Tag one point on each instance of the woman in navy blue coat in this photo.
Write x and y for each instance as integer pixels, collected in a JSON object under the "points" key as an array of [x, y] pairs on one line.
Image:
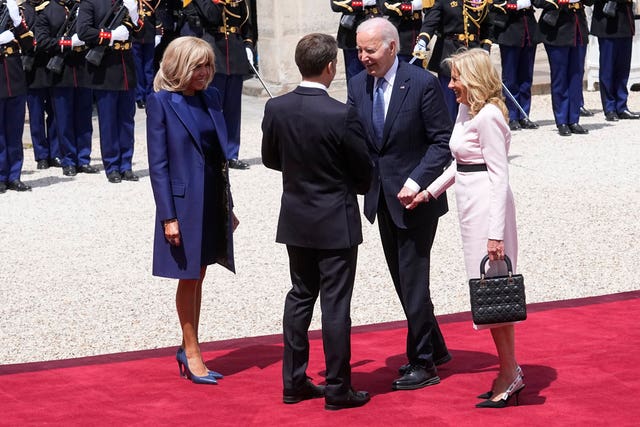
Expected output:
{"points": [[186, 141]]}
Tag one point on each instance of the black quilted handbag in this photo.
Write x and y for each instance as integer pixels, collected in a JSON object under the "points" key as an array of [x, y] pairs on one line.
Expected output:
{"points": [[497, 299]]}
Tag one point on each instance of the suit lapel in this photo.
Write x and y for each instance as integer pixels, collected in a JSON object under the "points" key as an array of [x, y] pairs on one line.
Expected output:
{"points": [[179, 105], [399, 93]]}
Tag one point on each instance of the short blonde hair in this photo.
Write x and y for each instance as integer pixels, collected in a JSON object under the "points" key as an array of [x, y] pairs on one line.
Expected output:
{"points": [[480, 77], [180, 59]]}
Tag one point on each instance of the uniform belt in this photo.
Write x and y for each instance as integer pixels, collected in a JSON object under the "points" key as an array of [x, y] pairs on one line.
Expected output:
{"points": [[371, 11], [462, 37], [8, 51], [227, 30], [121, 46], [79, 48], [471, 168], [574, 6]]}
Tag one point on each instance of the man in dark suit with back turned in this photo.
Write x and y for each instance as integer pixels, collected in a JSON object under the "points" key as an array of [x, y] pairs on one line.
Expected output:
{"points": [[409, 129], [319, 145]]}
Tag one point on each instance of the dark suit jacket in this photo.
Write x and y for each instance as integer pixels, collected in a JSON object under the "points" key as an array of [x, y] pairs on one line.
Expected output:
{"points": [[176, 169], [415, 141], [319, 145]]}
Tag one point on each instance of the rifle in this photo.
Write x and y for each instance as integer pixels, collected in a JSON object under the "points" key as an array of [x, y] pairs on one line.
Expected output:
{"points": [[117, 13], [56, 63]]}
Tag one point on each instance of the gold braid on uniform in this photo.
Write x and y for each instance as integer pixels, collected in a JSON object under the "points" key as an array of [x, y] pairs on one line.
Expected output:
{"points": [[480, 10]]}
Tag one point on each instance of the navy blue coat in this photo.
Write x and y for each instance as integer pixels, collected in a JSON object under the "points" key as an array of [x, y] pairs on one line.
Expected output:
{"points": [[176, 169], [415, 141]]}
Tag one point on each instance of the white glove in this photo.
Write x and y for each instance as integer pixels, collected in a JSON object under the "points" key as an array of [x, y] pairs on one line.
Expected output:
{"points": [[132, 7], [574, 1], [369, 3], [6, 37], [420, 47], [523, 4], [249, 55], [75, 41], [14, 12], [120, 33], [157, 40], [417, 4]]}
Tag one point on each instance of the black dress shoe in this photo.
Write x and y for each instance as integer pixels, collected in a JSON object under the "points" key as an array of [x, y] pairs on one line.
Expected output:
{"points": [[88, 169], [42, 164], [129, 176], [17, 185], [585, 113], [141, 105], [69, 171], [114, 177], [628, 115], [238, 164], [3, 187], [308, 391], [514, 125], [528, 124], [437, 360], [611, 116], [352, 399], [416, 377], [55, 162], [564, 130], [576, 128]]}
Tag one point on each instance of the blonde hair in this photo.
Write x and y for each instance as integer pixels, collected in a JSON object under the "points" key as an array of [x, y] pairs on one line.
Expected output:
{"points": [[480, 77], [180, 59]]}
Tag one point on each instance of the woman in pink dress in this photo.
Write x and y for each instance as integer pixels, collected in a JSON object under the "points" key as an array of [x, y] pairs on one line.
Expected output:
{"points": [[486, 211]]}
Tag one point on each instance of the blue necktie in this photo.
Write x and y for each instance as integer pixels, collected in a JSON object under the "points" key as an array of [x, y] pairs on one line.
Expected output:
{"points": [[378, 109]]}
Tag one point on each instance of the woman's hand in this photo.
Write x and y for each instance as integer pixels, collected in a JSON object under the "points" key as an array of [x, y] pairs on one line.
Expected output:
{"points": [[421, 197], [172, 231], [495, 249], [234, 221]]}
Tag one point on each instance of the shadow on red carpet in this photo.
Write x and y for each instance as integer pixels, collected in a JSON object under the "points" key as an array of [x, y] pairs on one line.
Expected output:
{"points": [[579, 357]]}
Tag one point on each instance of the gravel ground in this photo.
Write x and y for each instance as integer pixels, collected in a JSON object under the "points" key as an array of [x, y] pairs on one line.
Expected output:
{"points": [[75, 274]]}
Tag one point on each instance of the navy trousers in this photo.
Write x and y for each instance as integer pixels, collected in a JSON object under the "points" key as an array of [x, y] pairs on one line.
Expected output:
{"points": [[517, 76], [566, 64], [12, 111], [116, 110], [230, 88], [352, 64], [615, 64], [74, 107], [44, 137], [143, 55]]}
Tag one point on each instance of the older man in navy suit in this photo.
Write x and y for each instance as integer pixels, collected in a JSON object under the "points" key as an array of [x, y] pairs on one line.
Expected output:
{"points": [[406, 117], [319, 145]]}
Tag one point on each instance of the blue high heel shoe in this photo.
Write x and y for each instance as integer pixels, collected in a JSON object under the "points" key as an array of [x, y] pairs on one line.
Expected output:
{"points": [[214, 374], [183, 366]]}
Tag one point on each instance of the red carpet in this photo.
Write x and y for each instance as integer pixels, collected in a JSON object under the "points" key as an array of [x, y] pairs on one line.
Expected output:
{"points": [[580, 360]]}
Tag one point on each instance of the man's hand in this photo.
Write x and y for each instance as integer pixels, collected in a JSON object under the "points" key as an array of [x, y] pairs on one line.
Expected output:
{"points": [[406, 196], [132, 7], [6, 37], [75, 41], [523, 4], [421, 197], [120, 33], [249, 55], [14, 12], [420, 49], [157, 40]]}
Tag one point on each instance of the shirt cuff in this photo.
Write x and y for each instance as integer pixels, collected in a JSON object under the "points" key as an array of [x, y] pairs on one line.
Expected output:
{"points": [[412, 185]]}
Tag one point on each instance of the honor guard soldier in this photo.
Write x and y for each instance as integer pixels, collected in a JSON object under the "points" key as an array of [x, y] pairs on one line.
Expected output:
{"points": [[44, 138], [457, 24], [226, 25], [107, 30], [353, 13], [144, 48], [72, 99], [515, 29], [564, 32], [14, 37], [406, 15], [612, 22]]}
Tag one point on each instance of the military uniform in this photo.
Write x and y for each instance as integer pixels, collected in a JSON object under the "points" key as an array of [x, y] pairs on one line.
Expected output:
{"points": [[44, 138], [564, 32], [226, 25], [113, 82], [515, 29], [406, 15], [68, 78], [458, 24], [13, 91], [615, 30], [353, 13], [144, 48]]}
